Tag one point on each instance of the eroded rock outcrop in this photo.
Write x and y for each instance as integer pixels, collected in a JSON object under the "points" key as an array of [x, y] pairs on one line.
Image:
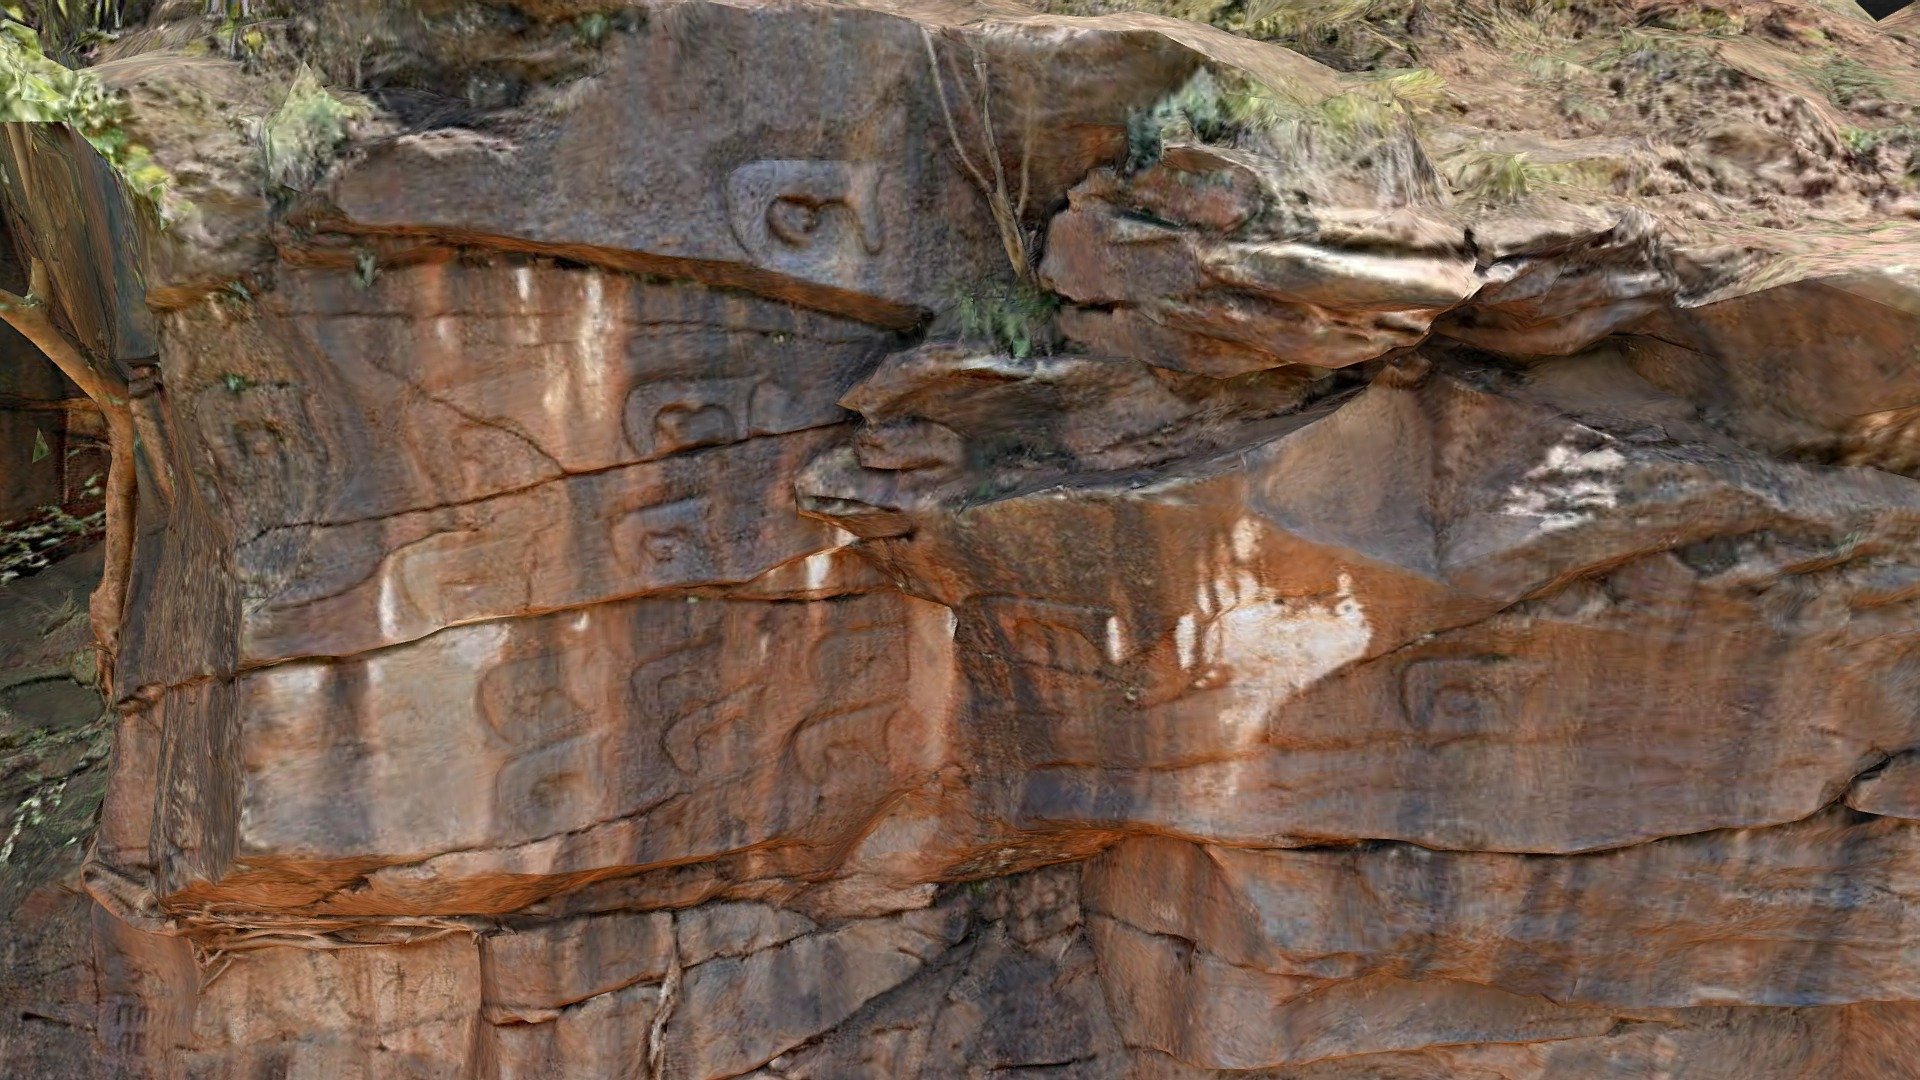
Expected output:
{"points": [[629, 580]]}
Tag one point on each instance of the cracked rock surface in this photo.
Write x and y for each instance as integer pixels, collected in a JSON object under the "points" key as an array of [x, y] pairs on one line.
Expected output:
{"points": [[1414, 575]]}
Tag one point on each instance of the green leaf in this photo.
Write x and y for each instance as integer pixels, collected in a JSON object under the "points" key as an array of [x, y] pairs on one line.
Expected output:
{"points": [[300, 139], [35, 89], [40, 449]]}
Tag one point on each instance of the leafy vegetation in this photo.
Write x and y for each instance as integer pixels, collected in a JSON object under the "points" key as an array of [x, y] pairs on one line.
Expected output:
{"points": [[62, 29], [34, 542], [591, 29], [1216, 109], [302, 137], [1199, 107], [1860, 141], [1866, 143], [34, 89]]}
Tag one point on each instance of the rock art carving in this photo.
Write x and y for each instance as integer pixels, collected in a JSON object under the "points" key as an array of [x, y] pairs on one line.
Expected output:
{"points": [[671, 417], [1466, 697], [1067, 638], [800, 213]]}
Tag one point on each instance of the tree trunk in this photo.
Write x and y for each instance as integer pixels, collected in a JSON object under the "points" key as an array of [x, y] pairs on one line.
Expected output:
{"points": [[31, 317]]}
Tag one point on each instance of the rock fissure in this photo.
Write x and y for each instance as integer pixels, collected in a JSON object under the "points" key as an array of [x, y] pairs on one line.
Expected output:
{"points": [[710, 273], [559, 476]]}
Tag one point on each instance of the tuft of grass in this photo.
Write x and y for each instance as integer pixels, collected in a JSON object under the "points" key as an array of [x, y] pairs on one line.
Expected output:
{"points": [[1302, 18], [1016, 317], [1216, 110], [1412, 88], [52, 616], [1846, 81], [1345, 125], [1200, 108], [592, 28], [1555, 70], [1366, 132], [1522, 29], [1355, 116], [1655, 53], [303, 136], [1499, 178], [1861, 142], [1352, 35], [1709, 21]]}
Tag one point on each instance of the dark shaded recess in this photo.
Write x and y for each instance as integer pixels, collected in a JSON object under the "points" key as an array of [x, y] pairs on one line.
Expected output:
{"points": [[1880, 9], [39, 445], [422, 110]]}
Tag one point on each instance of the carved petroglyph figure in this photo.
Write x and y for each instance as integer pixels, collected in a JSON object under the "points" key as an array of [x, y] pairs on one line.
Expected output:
{"points": [[790, 215], [1463, 697]]}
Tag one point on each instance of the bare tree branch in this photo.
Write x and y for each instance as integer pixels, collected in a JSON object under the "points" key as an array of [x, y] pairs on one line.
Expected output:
{"points": [[30, 316], [953, 130], [1013, 237]]}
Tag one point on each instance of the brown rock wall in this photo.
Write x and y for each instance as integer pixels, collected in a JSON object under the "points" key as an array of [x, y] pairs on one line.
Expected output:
{"points": [[627, 584]]}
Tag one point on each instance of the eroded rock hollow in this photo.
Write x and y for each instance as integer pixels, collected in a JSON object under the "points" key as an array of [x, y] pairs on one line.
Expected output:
{"points": [[819, 541]]}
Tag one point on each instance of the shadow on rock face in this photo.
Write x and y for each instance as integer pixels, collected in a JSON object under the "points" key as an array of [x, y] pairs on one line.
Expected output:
{"points": [[54, 738]]}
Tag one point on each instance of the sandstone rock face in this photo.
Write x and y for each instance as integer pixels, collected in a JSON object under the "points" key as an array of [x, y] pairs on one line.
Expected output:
{"points": [[629, 581], [1185, 273]]}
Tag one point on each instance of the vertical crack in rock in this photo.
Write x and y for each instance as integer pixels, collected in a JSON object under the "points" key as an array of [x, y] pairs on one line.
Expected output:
{"points": [[669, 998]]}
